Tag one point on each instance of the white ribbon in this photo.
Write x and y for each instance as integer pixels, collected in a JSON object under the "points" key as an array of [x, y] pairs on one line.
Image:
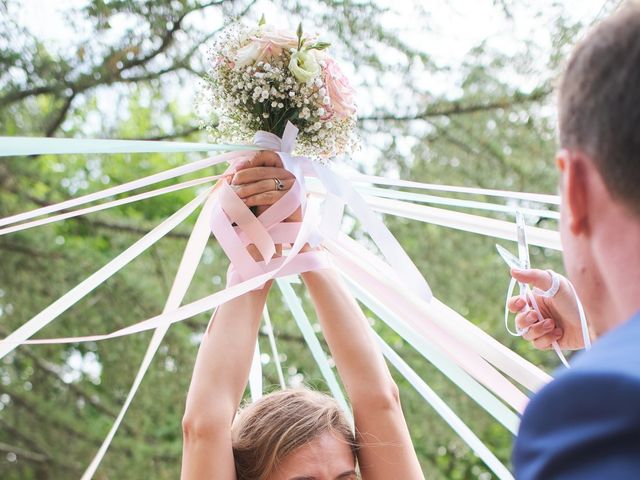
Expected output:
{"points": [[344, 193], [274, 348], [188, 265], [106, 205], [447, 414], [42, 319], [532, 197], [293, 303], [438, 358], [464, 221], [125, 187]]}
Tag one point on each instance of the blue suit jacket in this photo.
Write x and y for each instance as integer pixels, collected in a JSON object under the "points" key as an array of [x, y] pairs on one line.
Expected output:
{"points": [[585, 424]]}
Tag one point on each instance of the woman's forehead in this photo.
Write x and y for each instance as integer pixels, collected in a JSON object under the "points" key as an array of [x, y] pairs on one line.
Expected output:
{"points": [[328, 457]]}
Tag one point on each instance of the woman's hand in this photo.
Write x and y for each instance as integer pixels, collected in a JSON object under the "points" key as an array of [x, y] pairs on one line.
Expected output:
{"points": [[256, 182]]}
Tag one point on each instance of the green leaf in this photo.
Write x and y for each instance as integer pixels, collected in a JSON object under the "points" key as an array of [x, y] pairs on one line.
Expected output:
{"points": [[320, 46], [299, 33]]}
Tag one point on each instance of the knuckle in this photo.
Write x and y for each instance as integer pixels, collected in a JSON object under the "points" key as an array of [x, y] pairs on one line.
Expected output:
{"points": [[277, 161], [239, 177], [539, 344], [261, 157]]}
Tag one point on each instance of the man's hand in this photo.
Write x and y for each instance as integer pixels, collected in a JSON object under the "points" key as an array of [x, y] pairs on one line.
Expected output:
{"points": [[255, 182], [560, 313]]}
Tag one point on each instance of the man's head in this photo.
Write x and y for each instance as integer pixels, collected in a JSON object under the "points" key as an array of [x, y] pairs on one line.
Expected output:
{"points": [[599, 122]]}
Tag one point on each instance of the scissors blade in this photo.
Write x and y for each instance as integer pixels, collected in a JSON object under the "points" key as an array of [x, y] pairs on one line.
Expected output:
{"points": [[508, 257], [523, 246]]}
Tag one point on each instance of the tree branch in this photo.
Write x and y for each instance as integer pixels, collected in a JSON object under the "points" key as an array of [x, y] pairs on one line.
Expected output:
{"points": [[129, 228], [60, 116], [168, 136], [23, 453], [88, 81], [458, 107], [96, 223]]}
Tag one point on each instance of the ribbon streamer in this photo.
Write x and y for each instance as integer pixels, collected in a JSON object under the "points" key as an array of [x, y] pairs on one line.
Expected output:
{"points": [[232, 210], [291, 300], [464, 353], [188, 265], [426, 323], [283, 266], [274, 348], [438, 358], [83, 288], [125, 187], [106, 205], [464, 221], [448, 415], [455, 202], [360, 260], [532, 197], [18, 146]]}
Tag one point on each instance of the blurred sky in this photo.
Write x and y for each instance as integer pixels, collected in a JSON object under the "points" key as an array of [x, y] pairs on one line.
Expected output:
{"points": [[445, 29], [453, 26], [456, 25]]}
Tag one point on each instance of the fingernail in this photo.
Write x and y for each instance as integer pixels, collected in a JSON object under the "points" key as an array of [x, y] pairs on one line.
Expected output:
{"points": [[547, 324], [557, 333], [520, 303]]}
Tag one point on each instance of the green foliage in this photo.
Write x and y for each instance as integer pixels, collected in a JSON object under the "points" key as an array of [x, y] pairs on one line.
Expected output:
{"points": [[490, 129]]}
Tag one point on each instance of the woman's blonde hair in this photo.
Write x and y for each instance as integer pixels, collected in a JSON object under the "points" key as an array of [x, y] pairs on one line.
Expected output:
{"points": [[265, 432]]}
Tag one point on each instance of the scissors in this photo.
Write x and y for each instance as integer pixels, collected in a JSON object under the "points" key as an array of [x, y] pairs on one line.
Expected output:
{"points": [[523, 262]]}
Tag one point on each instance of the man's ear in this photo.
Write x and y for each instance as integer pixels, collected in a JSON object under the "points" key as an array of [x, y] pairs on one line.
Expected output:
{"points": [[573, 186]]}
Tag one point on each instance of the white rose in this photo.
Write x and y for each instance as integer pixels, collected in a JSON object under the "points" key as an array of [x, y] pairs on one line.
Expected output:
{"points": [[304, 66]]}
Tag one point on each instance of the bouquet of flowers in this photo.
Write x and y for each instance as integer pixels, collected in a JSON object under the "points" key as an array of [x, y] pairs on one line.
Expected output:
{"points": [[262, 78]]}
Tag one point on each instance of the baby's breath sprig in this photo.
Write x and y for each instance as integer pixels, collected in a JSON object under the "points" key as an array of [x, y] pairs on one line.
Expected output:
{"points": [[262, 78]]}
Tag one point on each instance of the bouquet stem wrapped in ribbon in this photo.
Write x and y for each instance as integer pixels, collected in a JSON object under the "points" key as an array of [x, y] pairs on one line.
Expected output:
{"points": [[288, 92], [235, 226]]}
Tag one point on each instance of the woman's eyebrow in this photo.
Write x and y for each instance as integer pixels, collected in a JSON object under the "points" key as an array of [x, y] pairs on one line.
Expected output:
{"points": [[346, 474], [342, 475]]}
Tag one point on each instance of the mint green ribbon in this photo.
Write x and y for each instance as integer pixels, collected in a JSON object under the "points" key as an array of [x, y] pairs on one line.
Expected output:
{"points": [[440, 360], [16, 146], [293, 303]]}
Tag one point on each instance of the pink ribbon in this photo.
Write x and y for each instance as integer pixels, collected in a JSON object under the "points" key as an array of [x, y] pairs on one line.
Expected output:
{"points": [[236, 228]]}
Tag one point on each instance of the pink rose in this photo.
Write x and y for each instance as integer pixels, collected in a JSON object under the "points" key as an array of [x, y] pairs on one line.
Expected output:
{"points": [[264, 46], [339, 91], [277, 38]]}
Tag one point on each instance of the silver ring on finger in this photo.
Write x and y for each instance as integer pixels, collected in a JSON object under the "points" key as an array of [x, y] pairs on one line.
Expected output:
{"points": [[553, 289], [279, 184]]}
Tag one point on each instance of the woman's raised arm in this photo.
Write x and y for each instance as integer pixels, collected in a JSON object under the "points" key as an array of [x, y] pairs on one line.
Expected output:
{"points": [[219, 379], [385, 448]]}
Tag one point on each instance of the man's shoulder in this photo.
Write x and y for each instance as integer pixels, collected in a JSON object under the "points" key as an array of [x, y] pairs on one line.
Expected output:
{"points": [[592, 406], [613, 364], [616, 353]]}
